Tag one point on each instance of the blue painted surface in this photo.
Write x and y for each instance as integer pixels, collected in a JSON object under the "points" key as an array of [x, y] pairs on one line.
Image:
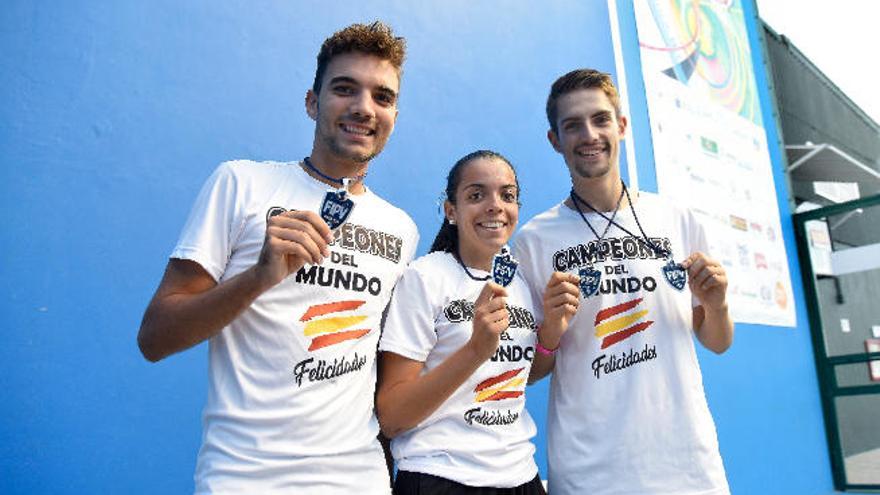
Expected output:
{"points": [[639, 125], [113, 113]]}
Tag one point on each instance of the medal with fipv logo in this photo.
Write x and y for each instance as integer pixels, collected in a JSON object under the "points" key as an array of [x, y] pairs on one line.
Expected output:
{"points": [[673, 272], [589, 280], [337, 204], [504, 267]]}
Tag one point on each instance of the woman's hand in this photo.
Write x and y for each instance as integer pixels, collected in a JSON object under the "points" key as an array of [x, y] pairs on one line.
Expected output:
{"points": [[490, 319]]}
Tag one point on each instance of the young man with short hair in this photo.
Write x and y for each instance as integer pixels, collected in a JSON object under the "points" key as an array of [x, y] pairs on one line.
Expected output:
{"points": [[291, 308], [627, 411]]}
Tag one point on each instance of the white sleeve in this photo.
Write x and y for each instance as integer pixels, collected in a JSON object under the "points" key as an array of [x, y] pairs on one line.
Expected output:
{"points": [[697, 241], [409, 327], [213, 223], [414, 244]]}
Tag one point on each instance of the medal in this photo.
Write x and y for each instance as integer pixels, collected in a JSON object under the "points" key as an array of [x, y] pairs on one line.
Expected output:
{"points": [[337, 206], [589, 280], [675, 274], [504, 267]]}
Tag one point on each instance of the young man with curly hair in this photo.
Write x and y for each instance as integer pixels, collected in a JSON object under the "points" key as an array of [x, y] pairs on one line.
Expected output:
{"points": [[290, 306]]}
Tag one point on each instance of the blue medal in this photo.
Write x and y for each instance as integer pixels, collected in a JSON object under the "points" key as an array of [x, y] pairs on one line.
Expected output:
{"points": [[589, 280], [337, 206], [504, 267], [675, 274]]}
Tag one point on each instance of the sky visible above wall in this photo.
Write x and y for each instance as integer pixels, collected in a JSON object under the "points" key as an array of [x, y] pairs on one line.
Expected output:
{"points": [[838, 37]]}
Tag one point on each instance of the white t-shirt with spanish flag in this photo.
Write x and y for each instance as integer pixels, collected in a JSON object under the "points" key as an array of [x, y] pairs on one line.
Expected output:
{"points": [[627, 410], [291, 380], [481, 435]]}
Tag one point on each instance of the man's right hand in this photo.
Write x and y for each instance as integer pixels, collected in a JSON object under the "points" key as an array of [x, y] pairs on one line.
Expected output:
{"points": [[190, 306], [293, 238]]}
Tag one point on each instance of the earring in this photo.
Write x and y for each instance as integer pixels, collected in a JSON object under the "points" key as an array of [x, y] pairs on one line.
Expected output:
{"points": [[451, 221]]}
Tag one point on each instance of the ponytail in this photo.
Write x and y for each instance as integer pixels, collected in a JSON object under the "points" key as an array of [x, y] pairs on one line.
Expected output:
{"points": [[447, 238]]}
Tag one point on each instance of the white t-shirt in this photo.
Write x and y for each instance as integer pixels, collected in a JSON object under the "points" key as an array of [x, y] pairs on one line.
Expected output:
{"points": [[627, 412], [480, 436], [292, 378]]}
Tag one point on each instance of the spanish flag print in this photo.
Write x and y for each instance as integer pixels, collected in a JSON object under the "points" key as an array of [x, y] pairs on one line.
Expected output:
{"points": [[499, 387], [620, 322], [326, 324]]}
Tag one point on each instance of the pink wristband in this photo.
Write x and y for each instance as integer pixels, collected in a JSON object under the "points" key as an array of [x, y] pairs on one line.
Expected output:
{"points": [[543, 350]]}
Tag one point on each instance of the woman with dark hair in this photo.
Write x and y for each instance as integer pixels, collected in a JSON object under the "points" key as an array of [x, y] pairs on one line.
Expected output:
{"points": [[457, 347]]}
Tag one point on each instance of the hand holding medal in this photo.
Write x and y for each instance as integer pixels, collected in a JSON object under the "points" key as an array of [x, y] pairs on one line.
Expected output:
{"points": [[561, 301], [293, 238], [490, 319], [708, 280], [298, 237], [490, 309]]}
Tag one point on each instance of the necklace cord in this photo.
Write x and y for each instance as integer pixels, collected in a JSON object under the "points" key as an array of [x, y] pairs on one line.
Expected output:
{"points": [[575, 198], [584, 218], [468, 272], [340, 182]]}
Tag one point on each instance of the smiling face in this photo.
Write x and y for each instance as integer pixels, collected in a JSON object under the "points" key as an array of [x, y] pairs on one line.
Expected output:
{"points": [[355, 110], [485, 210], [588, 134]]}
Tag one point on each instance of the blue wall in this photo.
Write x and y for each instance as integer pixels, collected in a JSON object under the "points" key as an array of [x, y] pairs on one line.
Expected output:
{"points": [[113, 113]]}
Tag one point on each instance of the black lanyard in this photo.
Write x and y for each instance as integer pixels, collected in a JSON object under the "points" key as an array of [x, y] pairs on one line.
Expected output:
{"points": [[469, 274], [575, 198]]}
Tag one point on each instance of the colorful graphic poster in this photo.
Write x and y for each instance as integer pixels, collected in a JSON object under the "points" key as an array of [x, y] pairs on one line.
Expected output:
{"points": [[710, 147]]}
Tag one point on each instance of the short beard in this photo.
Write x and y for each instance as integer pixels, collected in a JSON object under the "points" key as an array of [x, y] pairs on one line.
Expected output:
{"points": [[355, 157], [586, 173]]}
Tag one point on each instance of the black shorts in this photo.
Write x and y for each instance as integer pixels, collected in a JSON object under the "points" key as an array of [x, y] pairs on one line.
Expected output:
{"points": [[410, 483]]}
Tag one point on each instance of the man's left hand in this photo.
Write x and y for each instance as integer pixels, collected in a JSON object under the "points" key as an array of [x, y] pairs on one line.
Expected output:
{"points": [[707, 280]]}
